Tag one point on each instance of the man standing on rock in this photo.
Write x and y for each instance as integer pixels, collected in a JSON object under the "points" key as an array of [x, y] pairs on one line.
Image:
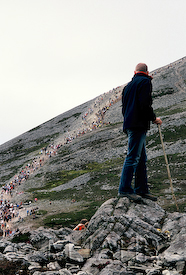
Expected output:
{"points": [[138, 112]]}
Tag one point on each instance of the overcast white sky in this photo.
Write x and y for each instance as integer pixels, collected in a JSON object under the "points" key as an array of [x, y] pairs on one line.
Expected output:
{"points": [[57, 54]]}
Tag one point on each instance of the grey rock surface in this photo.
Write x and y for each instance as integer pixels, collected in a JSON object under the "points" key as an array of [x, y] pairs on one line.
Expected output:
{"points": [[121, 238]]}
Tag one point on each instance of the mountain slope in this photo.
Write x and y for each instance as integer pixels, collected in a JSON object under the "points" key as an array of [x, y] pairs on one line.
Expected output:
{"points": [[86, 169]]}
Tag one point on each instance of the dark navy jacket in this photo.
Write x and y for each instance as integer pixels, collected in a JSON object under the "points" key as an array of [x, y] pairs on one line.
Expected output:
{"points": [[137, 103]]}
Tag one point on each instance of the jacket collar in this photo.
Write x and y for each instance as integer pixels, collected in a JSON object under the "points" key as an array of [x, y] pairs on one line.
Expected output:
{"points": [[143, 74]]}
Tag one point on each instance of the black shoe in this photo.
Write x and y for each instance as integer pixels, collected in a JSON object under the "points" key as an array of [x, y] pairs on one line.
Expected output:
{"points": [[131, 197], [148, 196]]}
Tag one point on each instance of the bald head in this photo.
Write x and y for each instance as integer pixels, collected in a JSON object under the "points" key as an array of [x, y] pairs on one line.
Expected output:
{"points": [[141, 67]]}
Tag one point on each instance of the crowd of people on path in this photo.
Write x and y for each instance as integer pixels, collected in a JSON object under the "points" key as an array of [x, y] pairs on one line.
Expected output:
{"points": [[99, 111], [9, 211]]}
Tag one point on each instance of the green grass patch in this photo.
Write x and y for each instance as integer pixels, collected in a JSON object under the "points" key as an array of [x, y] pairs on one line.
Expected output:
{"points": [[115, 124], [34, 129], [169, 111], [18, 151], [41, 212], [174, 134], [71, 219], [63, 151], [54, 179], [102, 185], [169, 135], [21, 238], [66, 118], [158, 176], [171, 207], [109, 164], [162, 92]]}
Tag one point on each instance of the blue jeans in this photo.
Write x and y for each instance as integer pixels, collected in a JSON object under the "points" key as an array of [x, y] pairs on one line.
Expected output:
{"points": [[135, 164]]}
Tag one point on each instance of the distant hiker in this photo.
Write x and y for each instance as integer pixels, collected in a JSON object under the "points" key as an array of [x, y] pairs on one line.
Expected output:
{"points": [[82, 225], [138, 112]]}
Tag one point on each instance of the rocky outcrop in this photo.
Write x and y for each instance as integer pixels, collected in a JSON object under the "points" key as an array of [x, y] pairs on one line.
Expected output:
{"points": [[121, 238]]}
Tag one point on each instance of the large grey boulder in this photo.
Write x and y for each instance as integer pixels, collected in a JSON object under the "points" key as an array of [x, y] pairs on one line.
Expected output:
{"points": [[175, 254], [64, 272], [52, 273], [60, 272], [118, 221], [59, 245], [42, 236], [134, 237], [72, 255], [16, 256], [3, 244], [63, 232], [83, 273], [38, 257], [10, 248], [53, 266], [34, 267]]}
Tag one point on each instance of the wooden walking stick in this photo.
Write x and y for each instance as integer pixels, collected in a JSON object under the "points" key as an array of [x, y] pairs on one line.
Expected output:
{"points": [[168, 170]]}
